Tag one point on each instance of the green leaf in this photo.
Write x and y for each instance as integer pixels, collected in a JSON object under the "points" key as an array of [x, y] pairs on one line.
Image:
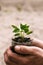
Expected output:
{"points": [[15, 29], [17, 34], [26, 30], [24, 27], [29, 32], [15, 26]]}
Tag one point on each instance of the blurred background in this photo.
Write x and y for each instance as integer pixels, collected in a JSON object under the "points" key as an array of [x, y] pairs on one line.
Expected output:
{"points": [[16, 12]]}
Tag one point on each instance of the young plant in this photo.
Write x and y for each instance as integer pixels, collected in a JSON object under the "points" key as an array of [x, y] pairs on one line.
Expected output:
{"points": [[21, 31], [20, 39]]}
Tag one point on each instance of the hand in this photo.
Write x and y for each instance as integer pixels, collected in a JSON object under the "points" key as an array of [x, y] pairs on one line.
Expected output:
{"points": [[35, 56], [37, 43]]}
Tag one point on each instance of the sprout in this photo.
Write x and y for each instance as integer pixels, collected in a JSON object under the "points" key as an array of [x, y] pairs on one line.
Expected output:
{"points": [[21, 30]]}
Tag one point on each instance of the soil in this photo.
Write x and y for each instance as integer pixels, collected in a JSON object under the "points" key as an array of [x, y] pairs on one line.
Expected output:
{"points": [[20, 41]]}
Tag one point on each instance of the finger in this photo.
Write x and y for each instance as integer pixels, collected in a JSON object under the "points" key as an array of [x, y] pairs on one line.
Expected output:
{"points": [[8, 55], [29, 50], [7, 61], [15, 57], [36, 42], [7, 50]]}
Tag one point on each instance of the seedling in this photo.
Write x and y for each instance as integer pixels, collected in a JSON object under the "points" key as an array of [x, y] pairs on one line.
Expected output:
{"points": [[21, 31], [19, 35]]}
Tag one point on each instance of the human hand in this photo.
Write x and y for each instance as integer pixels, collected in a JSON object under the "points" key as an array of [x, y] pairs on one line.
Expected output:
{"points": [[36, 42], [34, 56]]}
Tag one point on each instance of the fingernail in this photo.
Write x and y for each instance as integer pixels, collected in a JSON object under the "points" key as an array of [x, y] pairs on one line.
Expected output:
{"points": [[17, 47]]}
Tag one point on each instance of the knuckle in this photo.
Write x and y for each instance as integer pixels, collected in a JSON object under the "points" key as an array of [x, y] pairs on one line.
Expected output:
{"points": [[42, 54], [6, 61], [22, 49], [35, 49], [9, 54]]}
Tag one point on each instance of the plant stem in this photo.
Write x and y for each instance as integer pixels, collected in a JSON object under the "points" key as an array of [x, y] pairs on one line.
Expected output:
{"points": [[22, 34]]}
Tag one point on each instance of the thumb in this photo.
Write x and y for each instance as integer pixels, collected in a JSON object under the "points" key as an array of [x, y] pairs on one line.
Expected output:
{"points": [[29, 50]]}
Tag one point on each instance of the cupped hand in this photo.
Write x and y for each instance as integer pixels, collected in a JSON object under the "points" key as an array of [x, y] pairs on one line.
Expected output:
{"points": [[34, 55]]}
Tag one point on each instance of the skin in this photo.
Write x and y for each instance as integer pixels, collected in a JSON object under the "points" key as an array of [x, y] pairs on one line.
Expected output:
{"points": [[34, 54]]}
